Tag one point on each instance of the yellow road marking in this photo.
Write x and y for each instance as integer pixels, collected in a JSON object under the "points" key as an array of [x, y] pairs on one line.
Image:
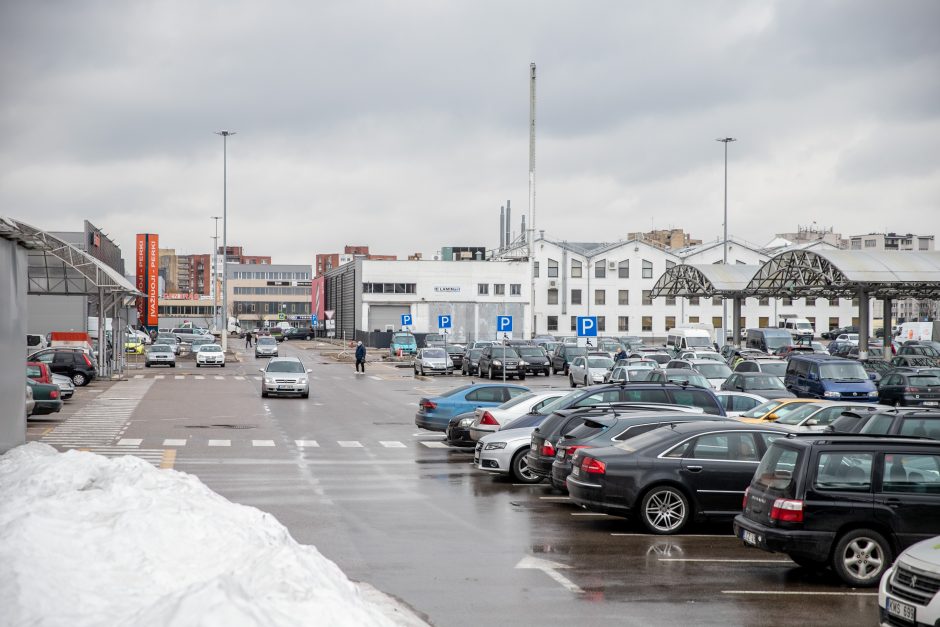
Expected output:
{"points": [[169, 458]]}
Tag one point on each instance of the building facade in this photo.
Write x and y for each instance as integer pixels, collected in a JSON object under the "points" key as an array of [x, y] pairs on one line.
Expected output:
{"points": [[908, 309], [325, 262], [263, 293]]}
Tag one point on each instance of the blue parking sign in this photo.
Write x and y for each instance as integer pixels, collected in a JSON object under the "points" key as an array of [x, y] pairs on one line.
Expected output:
{"points": [[587, 326], [406, 320], [444, 322], [503, 324]]}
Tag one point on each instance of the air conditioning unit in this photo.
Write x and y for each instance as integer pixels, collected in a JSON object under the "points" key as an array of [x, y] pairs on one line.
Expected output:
{"points": [[553, 283], [612, 265]]}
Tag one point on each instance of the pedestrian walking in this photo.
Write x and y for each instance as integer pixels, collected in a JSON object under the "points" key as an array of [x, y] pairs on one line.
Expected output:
{"points": [[360, 357], [247, 339]]}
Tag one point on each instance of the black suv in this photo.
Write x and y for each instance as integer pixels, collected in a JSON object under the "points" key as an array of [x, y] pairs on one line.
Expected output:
{"points": [[73, 363], [564, 355], [298, 334], [496, 359], [849, 502]]}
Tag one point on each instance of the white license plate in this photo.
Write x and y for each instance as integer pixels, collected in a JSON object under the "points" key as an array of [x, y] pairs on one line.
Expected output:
{"points": [[902, 610], [749, 536], [533, 447], [931, 403], [284, 387]]}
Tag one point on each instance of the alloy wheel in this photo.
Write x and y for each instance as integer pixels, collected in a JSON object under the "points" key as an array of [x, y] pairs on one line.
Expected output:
{"points": [[863, 558], [665, 510]]}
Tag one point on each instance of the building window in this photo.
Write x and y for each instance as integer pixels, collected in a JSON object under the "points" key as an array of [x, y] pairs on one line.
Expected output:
{"points": [[671, 301], [483, 289], [600, 269], [763, 322], [499, 289], [833, 323], [601, 323], [670, 322], [552, 269], [647, 297], [647, 323], [367, 288], [855, 304], [870, 243], [812, 321], [575, 269], [764, 301], [623, 297], [553, 296], [574, 323], [623, 269], [623, 323], [515, 289], [832, 302], [693, 300], [693, 319], [717, 322], [552, 323], [786, 301], [600, 297], [575, 297], [647, 269], [535, 269]]}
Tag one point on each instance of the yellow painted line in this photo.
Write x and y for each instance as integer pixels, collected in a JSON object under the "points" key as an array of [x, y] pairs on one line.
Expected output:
{"points": [[169, 458], [47, 430]]}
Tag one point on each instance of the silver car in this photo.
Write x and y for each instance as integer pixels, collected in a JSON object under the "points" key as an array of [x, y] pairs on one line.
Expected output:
{"points": [[504, 452], [160, 354], [285, 375], [266, 347], [433, 361], [66, 387]]}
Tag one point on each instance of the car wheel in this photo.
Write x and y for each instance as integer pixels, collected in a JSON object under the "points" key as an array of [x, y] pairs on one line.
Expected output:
{"points": [[264, 394], [861, 557], [146, 364], [665, 510], [416, 370], [553, 370], [79, 379], [571, 381], [306, 337], [586, 382], [223, 364], [198, 365], [520, 468], [305, 395], [522, 377], [490, 373]]}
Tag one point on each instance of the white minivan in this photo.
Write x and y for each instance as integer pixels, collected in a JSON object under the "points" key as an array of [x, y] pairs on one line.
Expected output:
{"points": [[798, 327], [678, 340]]}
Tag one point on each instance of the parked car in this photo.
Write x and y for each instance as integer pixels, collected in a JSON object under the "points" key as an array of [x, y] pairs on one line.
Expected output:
{"points": [[849, 503], [488, 420], [768, 339], [74, 363], [914, 361], [536, 360], [834, 333], [715, 371], [432, 361], [766, 385], [482, 343], [920, 423], [160, 354], [737, 403], [471, 361], [709, 355], [629, 374], [589, 369], [877, 368], [30, 401], [909, 388], [830, 378], [818, 415], [681, 376], [564, 355], [133, 345], [433, 340], [668, 477], [35, 342], [773, 409], [434, 413], [497, 360], [776, 367], [926, 349], [266, 347], [285, 375], [456, 353], [505, 452], [66, 387], [908, 592], [403, 342], [298, 333], [46, 396], [186, 335], [169, 339], [39, 372], [210, 355]]}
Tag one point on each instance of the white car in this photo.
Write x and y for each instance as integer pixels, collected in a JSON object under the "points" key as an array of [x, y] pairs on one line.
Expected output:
{"points": [[590, 369], [849, 337], [819, 415], [66, 387], [702, 354], [433, 360], [908, 592], [736, 403], [716, 372], [504, 452], [210, 355], [486, 420]]}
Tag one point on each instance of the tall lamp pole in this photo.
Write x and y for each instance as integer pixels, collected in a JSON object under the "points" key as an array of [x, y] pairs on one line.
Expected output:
{"points": [[214, 286], [225, 136], [724, 242]]}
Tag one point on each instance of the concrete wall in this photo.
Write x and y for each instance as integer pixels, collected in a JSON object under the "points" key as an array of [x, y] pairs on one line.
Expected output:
{"points": [[12, 345], [56, 313]]}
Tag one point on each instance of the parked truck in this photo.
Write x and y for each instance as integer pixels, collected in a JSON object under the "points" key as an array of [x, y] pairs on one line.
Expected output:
{"points": [[799, 328], [919, 331]]}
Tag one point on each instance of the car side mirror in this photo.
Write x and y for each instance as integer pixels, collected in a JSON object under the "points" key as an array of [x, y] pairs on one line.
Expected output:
{"points": [[771, 416], [739, 387], [260, 369], [873, 376], [309, 369], [812, 423]]}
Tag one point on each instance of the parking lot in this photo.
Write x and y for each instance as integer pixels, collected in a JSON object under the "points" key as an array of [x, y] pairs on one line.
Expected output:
{"points": [[348, 471]]}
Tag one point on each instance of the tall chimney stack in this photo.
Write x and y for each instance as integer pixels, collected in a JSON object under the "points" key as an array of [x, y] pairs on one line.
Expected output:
{"points": [[502, 228], [508, 223]]}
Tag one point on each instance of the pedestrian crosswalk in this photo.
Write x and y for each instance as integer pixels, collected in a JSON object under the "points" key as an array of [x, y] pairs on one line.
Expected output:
{"points": [[134, 444], [102, 422]]}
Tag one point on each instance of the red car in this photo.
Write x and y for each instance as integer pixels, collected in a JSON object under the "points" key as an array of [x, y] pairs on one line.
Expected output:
{"points": [[39, 372]]}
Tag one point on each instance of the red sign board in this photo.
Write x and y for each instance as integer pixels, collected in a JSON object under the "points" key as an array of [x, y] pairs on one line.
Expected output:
{"points": [[153, 280], [141, 267]]}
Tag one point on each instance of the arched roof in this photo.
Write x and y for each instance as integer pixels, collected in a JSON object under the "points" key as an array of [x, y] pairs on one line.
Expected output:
{"points": [[704, 280]]}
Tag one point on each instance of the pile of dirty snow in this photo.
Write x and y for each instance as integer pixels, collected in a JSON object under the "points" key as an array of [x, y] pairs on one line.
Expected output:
{"points": [[86, 540]]}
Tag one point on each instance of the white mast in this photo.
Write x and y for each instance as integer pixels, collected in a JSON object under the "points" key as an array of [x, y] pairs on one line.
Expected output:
{"points": [[530, 235]]}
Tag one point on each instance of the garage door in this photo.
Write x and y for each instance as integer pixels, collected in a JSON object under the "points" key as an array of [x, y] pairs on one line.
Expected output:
{"points": [[383, 316]]}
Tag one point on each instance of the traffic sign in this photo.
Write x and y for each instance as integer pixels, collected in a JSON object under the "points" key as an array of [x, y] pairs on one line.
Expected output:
{"points": [[444, 322], [406, 320], [313, 319], [587, 326], [503, 323], [281, 316]]}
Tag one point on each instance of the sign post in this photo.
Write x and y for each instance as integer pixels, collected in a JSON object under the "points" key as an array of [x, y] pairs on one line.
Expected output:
{"points": [[444, 324], [504, 327], [587, 328]]}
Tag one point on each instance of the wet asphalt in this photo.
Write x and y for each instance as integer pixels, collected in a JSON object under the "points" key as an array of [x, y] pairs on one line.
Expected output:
{"points": [[460, 546]]}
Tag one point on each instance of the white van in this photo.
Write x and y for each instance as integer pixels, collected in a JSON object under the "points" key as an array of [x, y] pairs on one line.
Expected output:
{"points": [[798, 327], [678, 340]]}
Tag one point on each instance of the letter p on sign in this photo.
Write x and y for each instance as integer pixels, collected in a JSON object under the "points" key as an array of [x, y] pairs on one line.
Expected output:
{"points": [[587, 326]]}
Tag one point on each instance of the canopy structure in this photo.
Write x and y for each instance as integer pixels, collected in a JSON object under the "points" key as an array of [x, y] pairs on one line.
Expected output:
{"points": [[705, 280]]}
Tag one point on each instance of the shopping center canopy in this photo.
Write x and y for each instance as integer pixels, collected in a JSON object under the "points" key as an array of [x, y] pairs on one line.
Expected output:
{"points": [[726, 281]]}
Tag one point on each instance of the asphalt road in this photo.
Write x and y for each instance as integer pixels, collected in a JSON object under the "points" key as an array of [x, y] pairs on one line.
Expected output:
{"points": [[348, 471]]}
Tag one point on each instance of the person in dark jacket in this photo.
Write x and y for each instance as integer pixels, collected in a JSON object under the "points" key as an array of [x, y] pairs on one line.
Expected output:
{"points": [[360, 357]]}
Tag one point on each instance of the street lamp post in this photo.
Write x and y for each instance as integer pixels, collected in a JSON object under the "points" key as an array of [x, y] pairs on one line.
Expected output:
{"points": [[215, 274], [724, 242], [225, 135]]}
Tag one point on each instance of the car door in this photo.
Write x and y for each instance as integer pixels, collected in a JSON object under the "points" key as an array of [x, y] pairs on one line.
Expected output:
{"points": [[887, 391], [731, 383], [909, 498], [576, 369], [63, 363], [488, 396], [718, 467]]}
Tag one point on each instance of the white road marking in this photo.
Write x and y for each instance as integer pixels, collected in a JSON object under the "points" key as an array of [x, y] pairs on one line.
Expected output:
{"points": [[172, 442], [802, 593], [723, 561], [349, 443], [160, 376], [388, 444], [138, 376], [129, 442], [256, 378], [239, 378], [306, 443], [179, 376], [199, 377], [550, 568], [435, 444], [219, 378], [220, 442], [262, 442], [372, 376]]}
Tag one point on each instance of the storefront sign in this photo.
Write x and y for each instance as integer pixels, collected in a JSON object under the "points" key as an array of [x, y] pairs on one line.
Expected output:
{"points": [[446, 289]]}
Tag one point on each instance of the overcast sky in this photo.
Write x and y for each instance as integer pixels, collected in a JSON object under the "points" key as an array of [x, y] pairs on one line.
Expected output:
{"points": [[404, 125]]}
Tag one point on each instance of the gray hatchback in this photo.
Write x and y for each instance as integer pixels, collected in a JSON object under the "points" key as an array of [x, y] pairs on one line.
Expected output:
{"points": [[285, 375]]}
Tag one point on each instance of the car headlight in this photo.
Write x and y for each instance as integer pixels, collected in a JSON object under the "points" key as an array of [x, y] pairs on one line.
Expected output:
{"points": [[269, 381], [873, 393], [466, 422], [490, 446], [301, 381], [497, 362], [523, 362], [832, 394], [547, 363]]}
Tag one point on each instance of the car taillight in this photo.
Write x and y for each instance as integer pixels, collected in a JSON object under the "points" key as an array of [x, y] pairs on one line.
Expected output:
{"points": [[747, 491], [593, 466], [488, 419], [87, 361], [570, 451], [427, 405], [911, 389], [54, 394], [547, 450], [787, 510]]}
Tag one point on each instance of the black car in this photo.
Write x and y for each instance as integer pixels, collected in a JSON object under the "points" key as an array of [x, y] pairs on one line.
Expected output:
{"points": [[920, 423], [498, 359], [564, 355], [909, 388], [470, 363], [535, 358], [849, 502], [456, 353], [609, 429], [669, 476], [876, 368], [926, 349], [298, 334], [914, 361], [458, 431], [767, 385], [73, 363]]}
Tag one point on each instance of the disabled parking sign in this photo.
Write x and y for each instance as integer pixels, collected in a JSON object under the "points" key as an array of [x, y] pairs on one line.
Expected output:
{"points": [[587, 329], [503, 328]]}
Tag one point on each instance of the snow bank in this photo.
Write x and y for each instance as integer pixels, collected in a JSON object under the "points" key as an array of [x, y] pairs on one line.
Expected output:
{"points": [[86, 540]]}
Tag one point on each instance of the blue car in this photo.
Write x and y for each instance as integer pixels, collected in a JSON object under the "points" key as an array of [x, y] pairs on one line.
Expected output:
{"points": [[404, 342], [829, 378], [434, 413]]}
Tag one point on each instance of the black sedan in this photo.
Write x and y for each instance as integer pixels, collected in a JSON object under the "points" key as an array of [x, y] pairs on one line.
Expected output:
{"points": [[298, 334], [767, 385], [536, 360], [456, 353], [669, 476], [909, 388], [470, 362], [458, 430]]}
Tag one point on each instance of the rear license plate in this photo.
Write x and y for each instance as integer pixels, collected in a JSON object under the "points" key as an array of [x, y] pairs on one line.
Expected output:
{"points": [[901, 610], [284, 387], [931, 403], [749, 536], [533, 447], [560, 454]]}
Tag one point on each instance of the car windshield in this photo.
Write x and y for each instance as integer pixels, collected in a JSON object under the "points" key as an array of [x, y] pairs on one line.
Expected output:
{"points": [[433, 353], [515, 401], [475, 353], [714, 371], [600, 362], [761, 410], [210, 348], [698, 342], [763, 382], [923, 380], [285, 366], [776, 368], [690, 377], [797, 415], [530, 351], [558, 403], [262, 341], [849, 371]]}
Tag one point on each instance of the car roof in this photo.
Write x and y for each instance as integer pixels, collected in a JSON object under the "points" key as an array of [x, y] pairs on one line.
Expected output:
{"points": [[809, 439]]}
